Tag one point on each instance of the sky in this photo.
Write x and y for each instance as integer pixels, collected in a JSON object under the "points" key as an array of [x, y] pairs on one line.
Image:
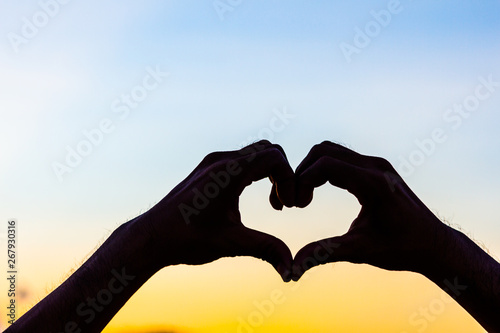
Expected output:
{"points": [[416, 82]]}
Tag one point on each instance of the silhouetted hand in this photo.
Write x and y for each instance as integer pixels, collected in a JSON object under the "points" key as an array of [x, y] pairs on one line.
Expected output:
{"points": [[394, 229], [199, 220]]}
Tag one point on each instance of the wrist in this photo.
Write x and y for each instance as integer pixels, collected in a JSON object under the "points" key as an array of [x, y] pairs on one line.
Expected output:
{"points": [[456, 254], [448, 257], [135, 244], [429, 246], [470, 276]]}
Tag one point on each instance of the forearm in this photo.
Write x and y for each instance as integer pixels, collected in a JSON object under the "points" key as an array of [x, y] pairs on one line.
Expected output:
{"points": [[470, 276], [93, 294]]}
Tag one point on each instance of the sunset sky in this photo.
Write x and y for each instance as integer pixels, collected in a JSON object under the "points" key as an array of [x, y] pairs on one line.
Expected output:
{"points": [[382, 77]]}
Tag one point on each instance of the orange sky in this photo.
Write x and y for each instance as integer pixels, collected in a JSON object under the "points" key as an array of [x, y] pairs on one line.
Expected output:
{"points": [[246, 294]]}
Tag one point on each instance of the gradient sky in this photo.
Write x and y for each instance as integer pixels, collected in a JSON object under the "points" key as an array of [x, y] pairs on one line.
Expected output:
{"points": [[229, 75]]}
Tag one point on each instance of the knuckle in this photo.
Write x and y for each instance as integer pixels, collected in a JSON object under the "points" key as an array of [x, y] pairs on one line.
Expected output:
{"points": [[213, 158], [274, 155], [264, 142], [318, 149], [381, 163], [278, 147]]}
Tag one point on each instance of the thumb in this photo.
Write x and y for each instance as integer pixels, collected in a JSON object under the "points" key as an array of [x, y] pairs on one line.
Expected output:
{"points": [[340, 248], [266, 247]]}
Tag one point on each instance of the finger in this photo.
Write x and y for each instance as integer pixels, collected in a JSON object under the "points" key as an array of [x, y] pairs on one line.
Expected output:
{"points": [[303, 194], [274, 199], [269, 161], [327, 148], [274, 196], [338, 173], [256, 146], [347, 155], [303, 190], [328, 250], [249, 242], [282, 194]]}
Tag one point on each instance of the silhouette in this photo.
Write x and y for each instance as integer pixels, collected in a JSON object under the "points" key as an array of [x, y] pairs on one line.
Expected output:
{"points": [[199, 222]]}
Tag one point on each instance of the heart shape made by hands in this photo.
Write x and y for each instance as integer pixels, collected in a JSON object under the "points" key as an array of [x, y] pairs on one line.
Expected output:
{"points": [[208, 204]]}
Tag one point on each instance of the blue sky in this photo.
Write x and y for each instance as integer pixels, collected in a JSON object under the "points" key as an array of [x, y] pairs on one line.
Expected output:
{"points": [[227, 79]]}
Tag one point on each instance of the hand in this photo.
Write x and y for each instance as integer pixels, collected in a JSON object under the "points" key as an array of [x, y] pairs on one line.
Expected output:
{"points": [[199, 220], [196, 223], [394, 229]]}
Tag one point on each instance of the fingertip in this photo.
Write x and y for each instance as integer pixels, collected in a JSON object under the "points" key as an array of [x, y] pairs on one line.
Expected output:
{"points": [[297, 273], [271, 249], [274, 199], [285, 273], [303, 195], [284, 268], [285, 191]]}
